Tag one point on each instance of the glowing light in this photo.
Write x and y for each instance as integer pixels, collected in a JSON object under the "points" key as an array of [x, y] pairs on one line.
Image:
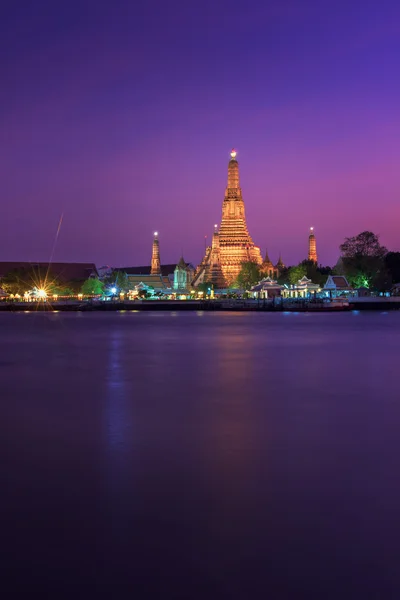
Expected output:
{"points": [[233, 153], [311, 228], [41, 293], [216, 226], [113, 290], [155, 233]]}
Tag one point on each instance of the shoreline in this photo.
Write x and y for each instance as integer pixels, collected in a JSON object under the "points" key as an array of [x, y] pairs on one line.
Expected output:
{"points": [[372, 304]]}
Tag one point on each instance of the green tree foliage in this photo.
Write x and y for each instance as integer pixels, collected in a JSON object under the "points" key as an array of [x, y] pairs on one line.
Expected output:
{"points": [[205, 287], [296, 273], [284, 276], [317, 274], [117, 279], [249, 275], [363, 261], [92, 287]]}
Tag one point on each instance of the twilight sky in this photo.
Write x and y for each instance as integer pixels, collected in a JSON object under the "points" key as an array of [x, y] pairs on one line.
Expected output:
{"points": [[121, 116]]}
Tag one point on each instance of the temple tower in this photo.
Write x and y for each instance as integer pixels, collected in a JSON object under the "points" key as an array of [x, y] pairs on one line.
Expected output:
{"points": [[312, 246], [213, 271], [155, 256], [267, 268], [232, 245], [280, 266]]}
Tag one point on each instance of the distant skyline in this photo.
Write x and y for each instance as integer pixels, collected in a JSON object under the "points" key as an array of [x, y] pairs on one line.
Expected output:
{"points": [[122, 115]]}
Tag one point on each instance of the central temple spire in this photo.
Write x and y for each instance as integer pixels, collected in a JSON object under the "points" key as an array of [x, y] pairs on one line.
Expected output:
{"points": [[232, 245]]}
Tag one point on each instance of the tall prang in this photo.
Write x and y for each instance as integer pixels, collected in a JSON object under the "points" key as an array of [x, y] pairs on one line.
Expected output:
{"points": [[312, 246], [155, 256], [232, 245]]}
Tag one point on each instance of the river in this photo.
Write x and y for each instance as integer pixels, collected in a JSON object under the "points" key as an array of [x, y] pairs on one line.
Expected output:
{"points": [[201, 455]]}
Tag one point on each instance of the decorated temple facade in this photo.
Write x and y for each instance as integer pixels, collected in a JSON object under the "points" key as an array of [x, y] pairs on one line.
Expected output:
{"points": [[232, 244], [183, 275], [267, 267]]}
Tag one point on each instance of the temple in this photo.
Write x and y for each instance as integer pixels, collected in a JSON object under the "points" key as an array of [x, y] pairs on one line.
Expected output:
{"points": [[183, 275], [312, 246], [155, 257], [232, 245], [267, 267]]}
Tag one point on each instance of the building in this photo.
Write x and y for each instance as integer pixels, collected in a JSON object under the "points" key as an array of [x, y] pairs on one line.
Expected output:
{"points": [[304, 288], [155, 276], [312, 247], [232, 245], [267, 288], [280, 266], [155, 256], [183, 275], [267, 267], [337, 285], [158, 283]]}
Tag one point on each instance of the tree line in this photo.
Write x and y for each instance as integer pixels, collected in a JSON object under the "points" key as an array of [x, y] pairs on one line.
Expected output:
{"points": [[363, 261], [20, 281]]}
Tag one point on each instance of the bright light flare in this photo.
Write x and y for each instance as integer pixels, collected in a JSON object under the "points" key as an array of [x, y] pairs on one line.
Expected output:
{"points": [[41, 293], [233, 153]]}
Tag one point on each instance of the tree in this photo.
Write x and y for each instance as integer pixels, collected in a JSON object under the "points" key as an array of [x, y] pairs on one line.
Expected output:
{"points": [[19, 281], [317, 274], [92, 287], [117, 279], [296, 273], [14, 282], [249, 275], [392, 264], [205, 287], [365, 244], [283, 276], [363, 260]]}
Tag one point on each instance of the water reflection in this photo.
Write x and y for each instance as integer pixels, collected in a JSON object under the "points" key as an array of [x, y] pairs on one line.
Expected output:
{"points": [[231, 454], [117, 421]]}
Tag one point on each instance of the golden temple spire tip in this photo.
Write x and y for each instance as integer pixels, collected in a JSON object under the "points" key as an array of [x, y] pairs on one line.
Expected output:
{"points": [[233, 153]]}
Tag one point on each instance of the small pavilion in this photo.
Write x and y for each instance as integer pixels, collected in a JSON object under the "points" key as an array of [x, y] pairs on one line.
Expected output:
{"points": [[337, 285], [304, 288], [267, 288]]}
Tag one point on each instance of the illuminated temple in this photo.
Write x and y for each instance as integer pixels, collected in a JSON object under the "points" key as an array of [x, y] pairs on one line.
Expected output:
{"points": [[231, 244]]}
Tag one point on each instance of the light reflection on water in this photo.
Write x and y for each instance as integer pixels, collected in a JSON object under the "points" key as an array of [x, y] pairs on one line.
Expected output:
{"points": [[237, 451]]}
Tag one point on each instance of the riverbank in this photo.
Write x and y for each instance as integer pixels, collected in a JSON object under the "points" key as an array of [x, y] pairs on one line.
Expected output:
{"points": [[392, 303]]}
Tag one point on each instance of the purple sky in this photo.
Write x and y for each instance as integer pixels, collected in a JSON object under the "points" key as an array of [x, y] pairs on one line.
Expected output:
{"points": [[121, 115]]}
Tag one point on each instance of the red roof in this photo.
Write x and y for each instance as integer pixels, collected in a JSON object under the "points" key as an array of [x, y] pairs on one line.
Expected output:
{"points": [[340, 282]]}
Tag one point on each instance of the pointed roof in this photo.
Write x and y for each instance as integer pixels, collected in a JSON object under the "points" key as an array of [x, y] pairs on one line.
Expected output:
{"points": [[280, 262], [181, 264], [267, 260], [337, 282]]}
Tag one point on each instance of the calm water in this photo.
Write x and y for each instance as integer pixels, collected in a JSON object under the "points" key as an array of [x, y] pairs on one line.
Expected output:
{"points": [[198, 456]]}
